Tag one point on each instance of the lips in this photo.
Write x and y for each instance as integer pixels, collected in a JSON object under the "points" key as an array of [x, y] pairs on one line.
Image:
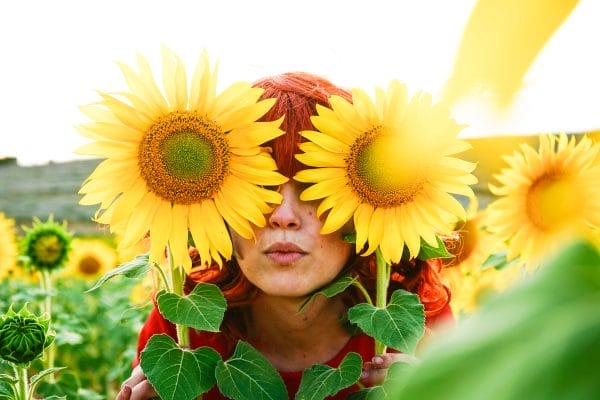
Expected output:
{"points": [[284, 253]]}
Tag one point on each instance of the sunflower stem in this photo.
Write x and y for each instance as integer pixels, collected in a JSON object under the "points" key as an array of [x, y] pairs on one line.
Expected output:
{"points": [[177, 280], [382, 282], [46, 283], [22, 382]]}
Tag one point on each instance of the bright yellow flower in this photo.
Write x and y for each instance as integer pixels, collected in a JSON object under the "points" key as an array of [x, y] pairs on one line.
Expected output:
{"points": [[388, 165], [547, 197], [90, 259], [8, 247], [183, 161]]}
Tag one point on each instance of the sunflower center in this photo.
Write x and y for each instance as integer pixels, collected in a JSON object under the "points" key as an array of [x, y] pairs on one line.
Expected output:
{"points": [[552, 202], [48, 249], [383, 173], [184, 158], [89, 265]]}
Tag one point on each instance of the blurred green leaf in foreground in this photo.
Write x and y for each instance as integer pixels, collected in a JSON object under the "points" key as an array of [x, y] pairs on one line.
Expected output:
{"points": [[538, 340]]}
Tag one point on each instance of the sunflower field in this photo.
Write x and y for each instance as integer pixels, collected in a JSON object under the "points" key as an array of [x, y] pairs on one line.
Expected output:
{"points": [[87, 248]]}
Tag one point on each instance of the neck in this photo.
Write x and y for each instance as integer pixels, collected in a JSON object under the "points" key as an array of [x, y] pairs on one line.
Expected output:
{"points": [[292, 339]]}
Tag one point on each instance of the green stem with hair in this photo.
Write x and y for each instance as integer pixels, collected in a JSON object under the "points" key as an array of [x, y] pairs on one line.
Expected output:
{"points": [[382, 283], [177, 280], [46, 284], [22, 382]]}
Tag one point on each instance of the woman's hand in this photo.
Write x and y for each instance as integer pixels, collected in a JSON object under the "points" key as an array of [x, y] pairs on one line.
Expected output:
{"points": [[375, 371], [136, 387]]}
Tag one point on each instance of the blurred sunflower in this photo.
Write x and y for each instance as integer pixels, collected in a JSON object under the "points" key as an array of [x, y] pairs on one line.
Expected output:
{"points": [[8, 247], [183, 161], [388, 164], [90, 259], [469, 281], [547, 198], [46, 245]]}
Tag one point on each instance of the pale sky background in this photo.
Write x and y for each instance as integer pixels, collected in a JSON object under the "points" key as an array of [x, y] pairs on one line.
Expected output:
{"points": [[57, 53]]}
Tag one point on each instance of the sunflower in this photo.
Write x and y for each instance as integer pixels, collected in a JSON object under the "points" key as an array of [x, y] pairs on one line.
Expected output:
{"points": [[8, 247], [181, 161], [387, 164], [46, 245], [546, 197], [90, 259], [469, 281]]}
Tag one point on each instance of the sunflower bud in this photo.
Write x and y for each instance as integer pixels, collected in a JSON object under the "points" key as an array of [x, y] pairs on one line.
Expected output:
{"points": [[23, 336]]}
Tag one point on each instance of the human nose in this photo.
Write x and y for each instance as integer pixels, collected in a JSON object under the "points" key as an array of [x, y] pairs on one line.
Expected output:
{"points": [[286, 215]]}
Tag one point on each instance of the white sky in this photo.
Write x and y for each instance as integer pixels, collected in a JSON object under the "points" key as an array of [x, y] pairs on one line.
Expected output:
{"points": [[56, 54]]}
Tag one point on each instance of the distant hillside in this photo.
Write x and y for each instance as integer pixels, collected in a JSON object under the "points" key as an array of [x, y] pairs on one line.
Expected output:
{"points": [[46, 189]]}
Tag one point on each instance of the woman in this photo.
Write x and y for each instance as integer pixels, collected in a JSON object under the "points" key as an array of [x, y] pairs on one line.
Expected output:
{"points": [[269, 278]]}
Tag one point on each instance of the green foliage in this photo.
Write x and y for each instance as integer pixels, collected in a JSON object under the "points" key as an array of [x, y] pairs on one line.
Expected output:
{"points": [[427, 251], [136, 268], [176, 373], [320, 381], [539, 339], [249, 375], [399, 325], [96, 335], [202, 309], [332, 289]]}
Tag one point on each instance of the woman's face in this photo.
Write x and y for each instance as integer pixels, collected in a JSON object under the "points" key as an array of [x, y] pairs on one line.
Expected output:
{"points": [[290, 257]]}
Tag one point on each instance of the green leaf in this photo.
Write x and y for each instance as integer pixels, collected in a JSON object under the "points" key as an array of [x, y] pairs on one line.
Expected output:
{"points": [[332, 289], [539, 339], [202, 309], [249, 375], [66, 386], [135, 268], [8, 378], [320, 381], [427, 251], [36, 379], [176, 373], [498, 261], [400, 325]]}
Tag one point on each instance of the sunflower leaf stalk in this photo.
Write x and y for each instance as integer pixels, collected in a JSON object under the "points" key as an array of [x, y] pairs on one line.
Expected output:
{"points": [[382, 283]]}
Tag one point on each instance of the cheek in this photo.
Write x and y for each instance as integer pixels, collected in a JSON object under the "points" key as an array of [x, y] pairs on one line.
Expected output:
{"points": [[239, 246]]}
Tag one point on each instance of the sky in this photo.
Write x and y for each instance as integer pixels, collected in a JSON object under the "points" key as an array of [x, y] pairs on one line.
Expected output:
{"points": [[57, 54]]}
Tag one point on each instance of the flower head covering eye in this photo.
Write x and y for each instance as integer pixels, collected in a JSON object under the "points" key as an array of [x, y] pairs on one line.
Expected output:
{"points": [[183, 161], [388, 165]]}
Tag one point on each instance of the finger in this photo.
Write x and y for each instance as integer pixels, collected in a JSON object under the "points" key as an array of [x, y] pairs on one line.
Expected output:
{"points": [[143, 391], [373, 376], [124, 393]]}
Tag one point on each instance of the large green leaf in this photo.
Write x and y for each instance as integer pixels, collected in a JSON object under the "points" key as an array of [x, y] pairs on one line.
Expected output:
{"points": [[176, 373], [400, 325], [135, 268], [202, 309], [320, 381], [539, 339], [249, 375]]}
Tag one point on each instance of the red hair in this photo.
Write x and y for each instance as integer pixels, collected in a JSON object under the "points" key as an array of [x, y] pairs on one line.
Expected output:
{"points": [[297, 94]]}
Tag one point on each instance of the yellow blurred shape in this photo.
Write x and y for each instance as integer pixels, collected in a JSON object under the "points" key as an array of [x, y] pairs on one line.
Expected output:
{"points": [[500, 42]]}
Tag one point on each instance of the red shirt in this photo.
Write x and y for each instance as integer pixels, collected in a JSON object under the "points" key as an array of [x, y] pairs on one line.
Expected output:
{"points": [[361, 344]]}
